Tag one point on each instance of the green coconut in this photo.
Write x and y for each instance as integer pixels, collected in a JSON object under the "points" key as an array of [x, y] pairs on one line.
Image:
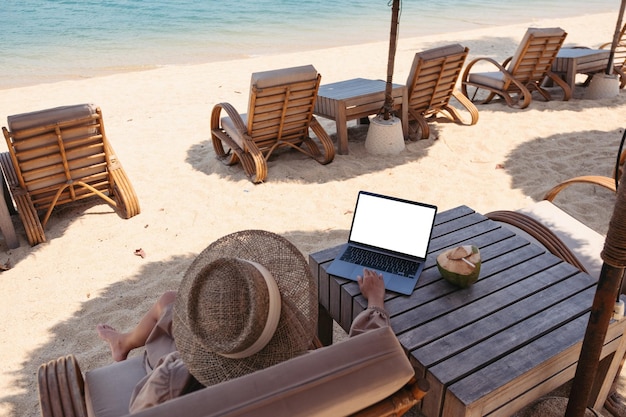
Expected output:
{"points": [[460, 265]]}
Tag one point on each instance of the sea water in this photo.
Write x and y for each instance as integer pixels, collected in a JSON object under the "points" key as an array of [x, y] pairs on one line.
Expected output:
{"points": [[51, 40]]}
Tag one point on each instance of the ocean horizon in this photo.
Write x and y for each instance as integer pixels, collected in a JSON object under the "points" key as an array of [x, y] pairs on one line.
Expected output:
{"points": [[53, 40]]}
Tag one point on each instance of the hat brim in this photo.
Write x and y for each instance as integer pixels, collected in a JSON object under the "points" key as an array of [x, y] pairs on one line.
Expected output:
{"points": [[298, 320]]}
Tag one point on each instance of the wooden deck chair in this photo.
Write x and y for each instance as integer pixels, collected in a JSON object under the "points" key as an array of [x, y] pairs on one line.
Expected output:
{"points": [[619, 57], [280, 114], [368, 375], [432, 83], [57, 156], [518, 76]]}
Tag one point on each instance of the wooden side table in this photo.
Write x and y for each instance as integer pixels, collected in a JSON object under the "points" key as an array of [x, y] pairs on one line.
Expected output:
{"points": [[572, 61], [354, 99]]}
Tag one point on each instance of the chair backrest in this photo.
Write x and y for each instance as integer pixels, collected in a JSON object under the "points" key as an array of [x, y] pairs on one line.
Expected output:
{"points": [[54, 147], [338, 380], [281, 104], [535, 54], [433, 77]]}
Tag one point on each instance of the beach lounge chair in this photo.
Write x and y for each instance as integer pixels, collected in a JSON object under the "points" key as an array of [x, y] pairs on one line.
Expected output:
{"points": [[619, 57], [367, 375], [610, 183], [57, 156], [280, 114], [564, 236], [432, 83], [518, 76]]}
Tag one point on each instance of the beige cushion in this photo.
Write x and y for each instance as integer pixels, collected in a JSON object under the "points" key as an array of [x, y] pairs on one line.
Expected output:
{"points": [[584, 242], [23, 121], [108, 389], [229, 128], [488, 79], [333, 381], [282, 76]]}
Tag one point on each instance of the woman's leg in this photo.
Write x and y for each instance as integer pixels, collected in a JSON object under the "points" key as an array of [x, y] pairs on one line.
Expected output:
{"points": [[122, 343]]}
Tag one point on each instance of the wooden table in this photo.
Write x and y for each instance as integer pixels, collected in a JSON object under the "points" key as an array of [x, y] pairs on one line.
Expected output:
{"points": [[355, 99], [572, 61], [493, 348]]}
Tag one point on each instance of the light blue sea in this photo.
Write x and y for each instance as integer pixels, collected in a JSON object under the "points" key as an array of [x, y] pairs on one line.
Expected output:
{"points": [[51, 40]]}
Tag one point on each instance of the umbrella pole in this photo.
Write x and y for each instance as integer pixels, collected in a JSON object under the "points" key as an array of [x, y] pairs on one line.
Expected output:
{"points": [[393, 38], [385, 135], [609, 283], [616, 38]]}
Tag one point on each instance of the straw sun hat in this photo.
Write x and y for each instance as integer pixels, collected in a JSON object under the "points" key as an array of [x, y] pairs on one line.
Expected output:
{"points": [[248, 301]]}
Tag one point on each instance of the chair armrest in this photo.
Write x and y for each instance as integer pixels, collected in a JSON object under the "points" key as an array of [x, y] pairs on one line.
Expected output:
{"points": [[606, 182], [232, 113], [536, 230], [500, 67]]}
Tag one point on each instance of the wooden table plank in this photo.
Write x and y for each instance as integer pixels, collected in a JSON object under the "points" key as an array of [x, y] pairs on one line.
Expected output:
{"points": [[539, 373], [439, 345], [459, 311], [317, 262], [442, 297], [467, 361]]}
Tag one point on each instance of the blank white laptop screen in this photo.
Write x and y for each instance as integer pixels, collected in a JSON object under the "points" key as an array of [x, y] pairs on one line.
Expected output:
{"points": [[395, 225]]}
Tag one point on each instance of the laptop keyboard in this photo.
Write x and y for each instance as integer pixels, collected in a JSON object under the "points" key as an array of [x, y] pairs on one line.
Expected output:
{"points": [[380, 261]]}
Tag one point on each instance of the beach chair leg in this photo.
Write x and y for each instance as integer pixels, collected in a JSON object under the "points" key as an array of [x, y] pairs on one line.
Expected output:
{"points": [[124, 194]]}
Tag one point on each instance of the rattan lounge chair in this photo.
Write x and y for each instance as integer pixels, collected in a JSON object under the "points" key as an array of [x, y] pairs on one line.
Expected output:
{"points": [[561, 234], [280, 114], [367, 375], [432, 83], [546, 224], [57, 156], [518, 76], [610, 183]]}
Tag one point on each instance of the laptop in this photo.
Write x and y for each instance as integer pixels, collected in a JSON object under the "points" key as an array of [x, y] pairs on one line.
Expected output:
{"points": [[388, 235]]}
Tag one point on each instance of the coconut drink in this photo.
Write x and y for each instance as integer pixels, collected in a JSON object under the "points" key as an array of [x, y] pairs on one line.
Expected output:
{"points": [[460, 266]]}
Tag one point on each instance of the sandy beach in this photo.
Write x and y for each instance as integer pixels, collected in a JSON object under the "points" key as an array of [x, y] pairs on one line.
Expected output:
{"points": [[158, 123]]}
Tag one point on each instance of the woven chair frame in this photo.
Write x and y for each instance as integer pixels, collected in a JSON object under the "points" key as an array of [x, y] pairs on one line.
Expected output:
{"points": [[431, 85], [531, 68], [42, 175], [278, 116]]}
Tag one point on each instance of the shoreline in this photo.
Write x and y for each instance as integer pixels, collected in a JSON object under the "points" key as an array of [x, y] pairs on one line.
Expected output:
{"points": [[158, 123], [77, 74]]}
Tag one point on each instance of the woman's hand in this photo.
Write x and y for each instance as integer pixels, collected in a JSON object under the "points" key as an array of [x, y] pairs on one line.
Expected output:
{"points": [[372, 287]]}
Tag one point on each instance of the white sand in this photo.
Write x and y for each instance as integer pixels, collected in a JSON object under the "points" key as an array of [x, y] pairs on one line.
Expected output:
{"points": [[158, 122]]}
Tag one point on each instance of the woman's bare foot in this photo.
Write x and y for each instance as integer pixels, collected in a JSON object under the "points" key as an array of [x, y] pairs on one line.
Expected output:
{"points": [[115, 340]]}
